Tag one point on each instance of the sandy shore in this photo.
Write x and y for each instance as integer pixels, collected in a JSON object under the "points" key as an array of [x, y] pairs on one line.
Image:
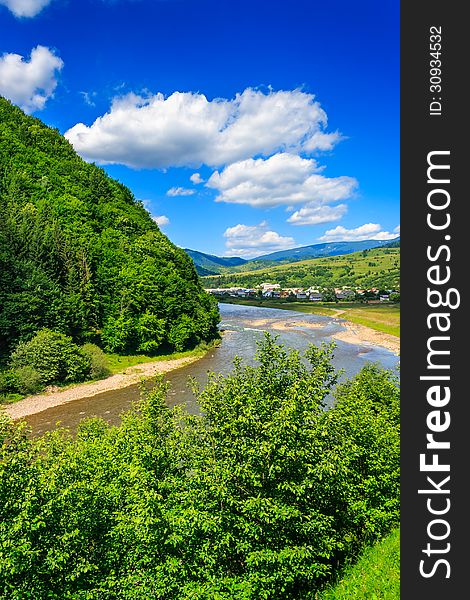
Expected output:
{"points": [[40, 402], [282, 325], [353, 334], [360, 334]]}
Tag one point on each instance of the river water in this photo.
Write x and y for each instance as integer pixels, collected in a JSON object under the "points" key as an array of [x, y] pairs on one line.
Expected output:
{"points": [[243, 327]]}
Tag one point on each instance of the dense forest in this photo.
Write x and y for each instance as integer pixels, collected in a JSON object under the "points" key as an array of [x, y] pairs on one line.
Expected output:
{"points": [[262, 496], [81, 257]]}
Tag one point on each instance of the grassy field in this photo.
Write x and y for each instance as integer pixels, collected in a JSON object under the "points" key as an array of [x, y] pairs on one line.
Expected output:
{"points": [[375, 576], [379, 267], [118, 363], [381, 317]]}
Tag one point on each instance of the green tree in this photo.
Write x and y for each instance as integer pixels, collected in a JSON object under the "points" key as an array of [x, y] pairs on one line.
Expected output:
{"points": [[53, 356]]}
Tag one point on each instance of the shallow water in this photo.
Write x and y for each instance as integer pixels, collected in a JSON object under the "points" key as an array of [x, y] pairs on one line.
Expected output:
{"points": [[243, 327]]}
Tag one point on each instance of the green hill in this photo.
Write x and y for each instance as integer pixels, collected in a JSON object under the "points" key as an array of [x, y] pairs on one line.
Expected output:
{"points": [[378, 267], [80, 255], [209, 264]]}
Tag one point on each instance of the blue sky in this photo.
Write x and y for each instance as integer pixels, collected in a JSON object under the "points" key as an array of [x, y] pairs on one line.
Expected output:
{"points": [[244, 126]]}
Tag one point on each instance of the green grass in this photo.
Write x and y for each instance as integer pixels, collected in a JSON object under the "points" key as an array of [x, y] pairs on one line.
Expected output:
{"points": [[379, 267], [118, 363], [381, 317], [375, 576]]}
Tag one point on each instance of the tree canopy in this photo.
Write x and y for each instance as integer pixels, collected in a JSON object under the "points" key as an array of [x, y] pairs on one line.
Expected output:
{"points": [[81, 256], [262, 496]]}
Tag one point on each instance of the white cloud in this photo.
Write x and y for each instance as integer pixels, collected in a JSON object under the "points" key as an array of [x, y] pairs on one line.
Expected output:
{"points": [[312, 214], [179, 191], [88, 98], [29, 83], [187, 129], [281, 179], [397, 229], [368, 231], [196, 178], [322, 141], [161, 220], [252, 240], [25, 8]]}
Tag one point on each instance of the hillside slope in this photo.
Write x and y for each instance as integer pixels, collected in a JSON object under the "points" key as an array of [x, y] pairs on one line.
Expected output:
{"points": [[208, 264], [378, 267], [80, 255]]}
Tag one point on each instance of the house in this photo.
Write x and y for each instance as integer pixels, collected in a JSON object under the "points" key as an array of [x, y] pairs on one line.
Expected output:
{"points": [[384, 298], [301, 295], [269, 287], [344, 294], [315, 297]]}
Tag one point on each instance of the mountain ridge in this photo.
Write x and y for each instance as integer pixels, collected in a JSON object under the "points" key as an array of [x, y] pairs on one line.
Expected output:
{"points": [[210, 264]]}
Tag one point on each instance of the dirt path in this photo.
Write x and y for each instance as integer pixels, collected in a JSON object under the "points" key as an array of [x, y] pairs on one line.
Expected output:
{"points": [[40, 402]]}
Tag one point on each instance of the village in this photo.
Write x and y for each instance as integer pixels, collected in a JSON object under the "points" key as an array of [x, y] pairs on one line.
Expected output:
{"points": [[274, 291]]}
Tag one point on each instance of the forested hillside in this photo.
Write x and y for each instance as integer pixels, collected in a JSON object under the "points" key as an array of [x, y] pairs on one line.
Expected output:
{"points": [[81, 256]]}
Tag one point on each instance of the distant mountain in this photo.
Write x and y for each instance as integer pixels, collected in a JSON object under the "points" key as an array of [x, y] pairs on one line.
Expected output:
{"points": [[209, 264], [393, 244], [318, 250]]}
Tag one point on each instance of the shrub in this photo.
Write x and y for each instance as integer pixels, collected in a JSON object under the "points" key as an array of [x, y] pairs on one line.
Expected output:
{"points": [[54, 356], [98, 361], [8, 381], [261, 496], [29, 380]]}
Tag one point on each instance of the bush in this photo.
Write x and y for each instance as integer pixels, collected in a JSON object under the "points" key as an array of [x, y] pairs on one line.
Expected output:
{"points": [[8, 381], [54, 356], [98, 361], [29, 380], [262, 496]]}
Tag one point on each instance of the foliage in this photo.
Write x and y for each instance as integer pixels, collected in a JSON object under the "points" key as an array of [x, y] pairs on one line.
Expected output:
{"points": [[28, 380], [53, 356], [261, 496], [80, 255], [8, 381], [97, 359], [375, 575]]}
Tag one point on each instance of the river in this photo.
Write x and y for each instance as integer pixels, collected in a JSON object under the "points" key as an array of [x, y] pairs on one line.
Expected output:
{"points": [[243, 327]]}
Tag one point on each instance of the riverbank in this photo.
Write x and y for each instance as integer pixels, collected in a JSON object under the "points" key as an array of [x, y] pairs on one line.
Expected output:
{"points": [[382, 317], [131, 375], [352, 334]]}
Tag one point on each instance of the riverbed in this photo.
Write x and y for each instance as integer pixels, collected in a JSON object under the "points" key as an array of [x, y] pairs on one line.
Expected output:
{"points": [[243, 327]]}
